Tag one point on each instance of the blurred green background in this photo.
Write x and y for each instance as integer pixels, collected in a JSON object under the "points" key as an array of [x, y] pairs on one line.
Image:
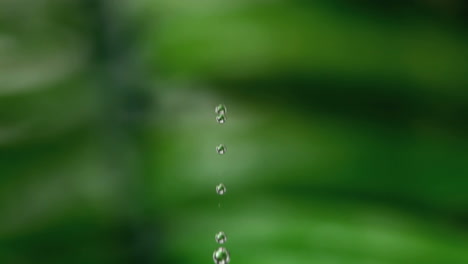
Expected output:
{"points": [[347, 131]]}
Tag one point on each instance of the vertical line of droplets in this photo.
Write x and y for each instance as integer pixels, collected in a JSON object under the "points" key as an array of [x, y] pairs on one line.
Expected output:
{"points": [[221, 254]]}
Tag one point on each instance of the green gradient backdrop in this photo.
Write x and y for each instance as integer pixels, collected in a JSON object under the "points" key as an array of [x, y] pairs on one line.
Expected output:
{"points": [[347, 131]]}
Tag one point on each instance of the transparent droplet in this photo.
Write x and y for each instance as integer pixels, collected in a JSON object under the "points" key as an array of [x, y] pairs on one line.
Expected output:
{"points": [[221, 149], [220, 189], [221, 109], [220, 237], [221, 256], [221, 118]]}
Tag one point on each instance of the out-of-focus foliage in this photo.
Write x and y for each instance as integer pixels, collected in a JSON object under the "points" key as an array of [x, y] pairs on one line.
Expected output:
{"points": [[346, 131]]}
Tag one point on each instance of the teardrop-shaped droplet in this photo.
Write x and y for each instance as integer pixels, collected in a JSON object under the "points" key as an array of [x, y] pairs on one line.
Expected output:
{"points": [[221, 109], [221, 256], [221, 149], [221, 118], [220, 237], [220, 189]]}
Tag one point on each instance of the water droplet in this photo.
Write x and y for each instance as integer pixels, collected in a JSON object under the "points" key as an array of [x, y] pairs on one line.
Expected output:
{"points": [[221, 118], [220, 189], [220, 237], [221, 109], [221, 256], [221, 149]]}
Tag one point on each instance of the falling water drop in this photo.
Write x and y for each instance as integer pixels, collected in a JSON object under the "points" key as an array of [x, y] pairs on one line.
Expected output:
{"points": [[221, 118], [220, 189], [221, 256], [221, 109], [221, 149], [220, 237]]}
